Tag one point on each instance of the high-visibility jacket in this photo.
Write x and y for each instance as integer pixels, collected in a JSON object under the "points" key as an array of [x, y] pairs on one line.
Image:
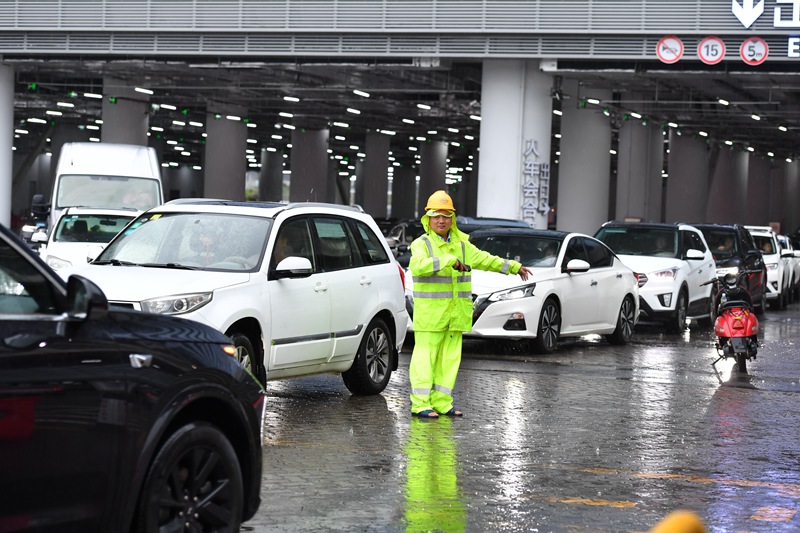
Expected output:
{"points": [[442, 294]]}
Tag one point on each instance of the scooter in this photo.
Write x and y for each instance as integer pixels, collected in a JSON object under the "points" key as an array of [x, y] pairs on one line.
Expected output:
{"points": [[736, 325]]}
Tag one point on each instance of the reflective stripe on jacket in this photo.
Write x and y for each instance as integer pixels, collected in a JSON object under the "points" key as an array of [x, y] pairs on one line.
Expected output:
{"points": [[442, 294]]}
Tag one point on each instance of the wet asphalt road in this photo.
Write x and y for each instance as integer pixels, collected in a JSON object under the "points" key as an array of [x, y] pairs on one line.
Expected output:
{"points": [[591, 438]]}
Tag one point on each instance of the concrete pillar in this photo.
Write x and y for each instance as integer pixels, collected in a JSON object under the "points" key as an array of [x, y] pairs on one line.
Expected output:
{"points": [[727, 196], [309, 166], [270, 183], [6, 142], [776, 209], [758, 187], [585, 161], [687, 183], [514, 166], [640, 161], [373, 184], [404, 192], [126, 113], [224, 162], [792, 193], [432, 170]]}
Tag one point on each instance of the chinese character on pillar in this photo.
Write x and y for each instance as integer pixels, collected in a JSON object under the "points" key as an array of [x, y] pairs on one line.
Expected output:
{"points": [[535, 184]]}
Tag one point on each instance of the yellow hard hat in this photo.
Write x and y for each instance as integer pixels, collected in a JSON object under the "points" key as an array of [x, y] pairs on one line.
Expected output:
{"points": [[440, 200]]}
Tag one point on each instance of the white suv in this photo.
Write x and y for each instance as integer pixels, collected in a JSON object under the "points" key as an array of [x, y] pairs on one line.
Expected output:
{"points": [[300, 288], [673, 263], [779, 265]]}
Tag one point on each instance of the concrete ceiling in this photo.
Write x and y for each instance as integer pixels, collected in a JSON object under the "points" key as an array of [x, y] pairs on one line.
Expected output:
{"points": [[684, 94]]}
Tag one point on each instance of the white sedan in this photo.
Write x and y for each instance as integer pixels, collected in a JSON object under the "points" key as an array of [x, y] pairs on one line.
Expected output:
{"points": [[578, 287]]}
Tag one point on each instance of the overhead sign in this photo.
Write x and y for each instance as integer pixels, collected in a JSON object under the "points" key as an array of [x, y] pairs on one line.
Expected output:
{"points": [[669, 49], [711, 50], [754, 50], [747, 12]]}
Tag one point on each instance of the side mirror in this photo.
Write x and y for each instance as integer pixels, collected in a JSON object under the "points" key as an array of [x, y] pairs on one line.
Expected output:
{"points": [[694, 254], [39, 236], [293, 267], [576, 265], [84, 298]]}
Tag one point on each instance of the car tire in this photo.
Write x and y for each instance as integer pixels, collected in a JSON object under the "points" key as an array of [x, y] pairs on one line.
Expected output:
{"points": [[194, 481], [372, 366], [250, 358], [677, 322], [712, 312], [625, 322], [549, 328]]}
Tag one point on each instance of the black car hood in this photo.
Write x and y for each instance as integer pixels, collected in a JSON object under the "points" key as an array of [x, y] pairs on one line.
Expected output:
{"points": [[146, 326]]}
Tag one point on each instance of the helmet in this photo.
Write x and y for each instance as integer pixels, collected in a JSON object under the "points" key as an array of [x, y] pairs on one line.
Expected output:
{"points": [[440, 200]]}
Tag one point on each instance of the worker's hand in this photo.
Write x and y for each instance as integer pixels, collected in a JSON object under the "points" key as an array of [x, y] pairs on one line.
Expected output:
{"points": [[524, 272], [461, 267]]}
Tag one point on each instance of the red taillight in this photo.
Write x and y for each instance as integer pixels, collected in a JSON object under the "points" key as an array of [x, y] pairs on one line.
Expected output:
{"points": [[402, 276]]}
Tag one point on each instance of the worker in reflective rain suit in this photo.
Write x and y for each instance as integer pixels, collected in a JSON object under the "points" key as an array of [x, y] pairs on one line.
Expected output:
{"points": [[441, 264]]}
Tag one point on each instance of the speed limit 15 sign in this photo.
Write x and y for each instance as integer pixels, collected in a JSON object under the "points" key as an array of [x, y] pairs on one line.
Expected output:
{"points": [[711, 50]]}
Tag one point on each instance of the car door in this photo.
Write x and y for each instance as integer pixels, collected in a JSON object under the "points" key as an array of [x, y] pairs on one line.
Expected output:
{"points": [[578, 291], [700, 271], [610, 277], [62, 407], [301, 307], [353, 284]]}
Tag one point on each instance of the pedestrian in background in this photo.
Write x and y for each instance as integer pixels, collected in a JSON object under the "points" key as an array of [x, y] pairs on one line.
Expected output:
{"points": [[441, 264]]}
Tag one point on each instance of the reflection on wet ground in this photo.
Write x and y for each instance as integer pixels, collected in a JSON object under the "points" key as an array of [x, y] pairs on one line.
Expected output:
{"points": [[590, 438]]}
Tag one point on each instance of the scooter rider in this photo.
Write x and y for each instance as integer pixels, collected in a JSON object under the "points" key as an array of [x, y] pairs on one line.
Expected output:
{"points": [[441, 262]]}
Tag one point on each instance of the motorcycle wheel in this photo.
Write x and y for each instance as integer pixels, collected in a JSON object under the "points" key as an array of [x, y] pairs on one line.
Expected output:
{"points": [[741, 360]]}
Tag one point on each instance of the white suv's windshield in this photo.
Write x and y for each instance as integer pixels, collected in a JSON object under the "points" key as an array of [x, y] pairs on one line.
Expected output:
{"points": [[108, 192], [660, 242], [191, 240]]}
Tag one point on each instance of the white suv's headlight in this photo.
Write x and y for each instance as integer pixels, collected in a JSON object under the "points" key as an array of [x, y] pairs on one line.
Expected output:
{"points": [[55, 263], [513, 294], [176, 305], [669, 273], [772, 266], [730, 270]]}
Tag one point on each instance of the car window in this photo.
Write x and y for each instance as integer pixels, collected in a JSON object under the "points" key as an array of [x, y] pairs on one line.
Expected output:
{"points": [[293, 239], [648, 241], [575, 250], [199, 240], [336, 245], [373, 249], [722, 242], [535, 252], [692, 241], [599, 255], [89, 228], [23, 289], [765, 244]]}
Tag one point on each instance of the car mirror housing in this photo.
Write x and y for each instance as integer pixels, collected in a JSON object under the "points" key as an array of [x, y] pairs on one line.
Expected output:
{"points": [[293, 267], [84, 298], [694, 254], [576, 265]]}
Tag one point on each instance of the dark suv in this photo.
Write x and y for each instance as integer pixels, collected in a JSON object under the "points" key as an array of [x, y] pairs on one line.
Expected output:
{"points": [[734, 249]]}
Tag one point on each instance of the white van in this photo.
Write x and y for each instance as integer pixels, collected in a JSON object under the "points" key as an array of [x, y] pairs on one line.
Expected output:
{"points": [[105, 175]]}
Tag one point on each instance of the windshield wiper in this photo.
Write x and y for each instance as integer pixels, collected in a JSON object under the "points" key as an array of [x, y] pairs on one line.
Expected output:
{"points": [[114, 262], [178, 266]]}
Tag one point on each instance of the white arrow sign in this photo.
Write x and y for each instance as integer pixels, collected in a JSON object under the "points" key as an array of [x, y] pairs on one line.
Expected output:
{"points": [[747, 13]]}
